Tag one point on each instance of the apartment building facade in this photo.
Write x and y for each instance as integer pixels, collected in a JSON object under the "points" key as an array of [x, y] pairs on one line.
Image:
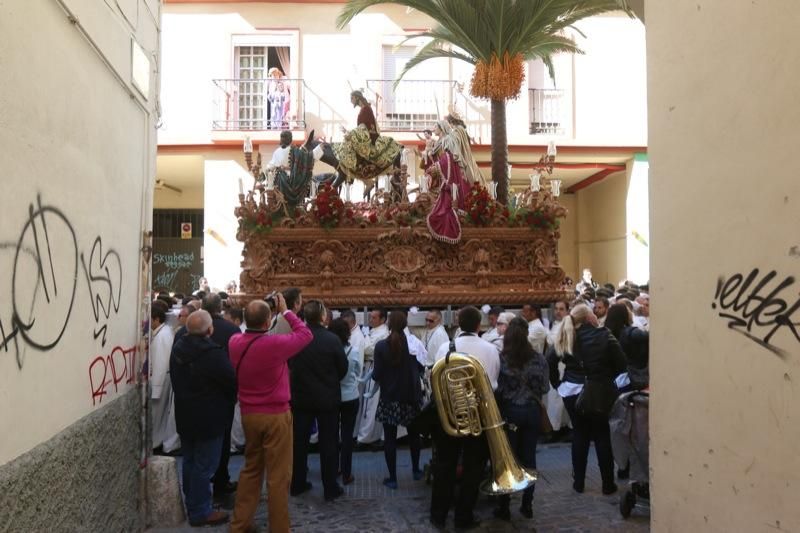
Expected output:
{"points": [[217, 90]]}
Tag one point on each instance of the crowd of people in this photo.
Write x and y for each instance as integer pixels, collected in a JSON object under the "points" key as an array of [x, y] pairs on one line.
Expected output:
{"points": [[283, 371]]}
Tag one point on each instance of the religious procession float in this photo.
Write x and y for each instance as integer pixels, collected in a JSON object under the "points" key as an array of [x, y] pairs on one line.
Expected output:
{"points": [[442, 240]]}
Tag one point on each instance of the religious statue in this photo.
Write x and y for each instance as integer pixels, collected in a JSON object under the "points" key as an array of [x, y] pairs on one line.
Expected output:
{"points": [[291, 167], [365, 154], [443, 219]]}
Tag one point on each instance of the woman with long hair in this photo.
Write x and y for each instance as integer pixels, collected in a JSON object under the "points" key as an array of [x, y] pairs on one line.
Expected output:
{"points": [[635, 343], [520, 386], [397, 373], [589, 354], [348, 409]]}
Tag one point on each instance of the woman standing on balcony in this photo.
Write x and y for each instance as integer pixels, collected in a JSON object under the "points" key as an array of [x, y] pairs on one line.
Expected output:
{"points": [[278, 95], [443, 220], [278, 100]]}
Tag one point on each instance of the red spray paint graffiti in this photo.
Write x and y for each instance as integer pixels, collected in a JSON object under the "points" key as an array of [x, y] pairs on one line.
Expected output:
{"points": [[112, 370]]}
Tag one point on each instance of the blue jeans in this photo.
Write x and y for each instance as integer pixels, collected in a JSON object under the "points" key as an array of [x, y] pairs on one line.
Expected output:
{"points": [[200, 461]]}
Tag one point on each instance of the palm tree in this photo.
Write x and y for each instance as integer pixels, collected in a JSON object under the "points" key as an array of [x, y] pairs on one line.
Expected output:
{"points": [[497, 36]]}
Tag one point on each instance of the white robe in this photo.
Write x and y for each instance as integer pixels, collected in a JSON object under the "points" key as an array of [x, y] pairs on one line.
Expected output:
{"points": [[368, 430], [491, 336], [280, 158], [537, 335], [357, 339], [433, 340], [162, 407], [416, 348]]}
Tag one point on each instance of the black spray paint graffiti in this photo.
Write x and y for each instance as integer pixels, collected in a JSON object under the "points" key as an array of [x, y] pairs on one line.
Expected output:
{"points": [[104, 277], [757, 311], [44, 278]]}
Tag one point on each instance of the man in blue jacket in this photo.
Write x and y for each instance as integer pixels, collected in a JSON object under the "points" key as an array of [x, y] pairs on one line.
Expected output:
{"points": [[223, 331], [204, 384]]}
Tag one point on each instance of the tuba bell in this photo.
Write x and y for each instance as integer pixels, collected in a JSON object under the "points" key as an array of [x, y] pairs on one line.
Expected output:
{"points": [[466, 405]]}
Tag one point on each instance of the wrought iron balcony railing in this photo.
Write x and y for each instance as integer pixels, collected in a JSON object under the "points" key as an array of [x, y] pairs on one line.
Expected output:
{"points": [[258, 104], [547, 111], [415, 105]]}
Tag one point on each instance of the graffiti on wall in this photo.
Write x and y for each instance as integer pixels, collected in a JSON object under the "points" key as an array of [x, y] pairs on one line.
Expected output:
{"points": [[169, 265], [764, 307], [112, 370], [104, 278], [44, 282]]}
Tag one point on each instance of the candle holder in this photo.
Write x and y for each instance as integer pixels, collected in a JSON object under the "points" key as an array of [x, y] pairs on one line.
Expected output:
{"points": [[536, 181], [555, 188]]}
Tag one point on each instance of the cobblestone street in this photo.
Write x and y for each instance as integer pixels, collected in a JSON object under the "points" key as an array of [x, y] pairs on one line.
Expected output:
{"points": [[369, 506]]}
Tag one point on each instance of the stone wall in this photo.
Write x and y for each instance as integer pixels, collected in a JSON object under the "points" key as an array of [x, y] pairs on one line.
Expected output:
{"points": [[85, 479]]}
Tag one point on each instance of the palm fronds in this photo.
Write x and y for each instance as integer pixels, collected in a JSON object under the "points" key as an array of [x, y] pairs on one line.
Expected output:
{"points": [[485, 31]]}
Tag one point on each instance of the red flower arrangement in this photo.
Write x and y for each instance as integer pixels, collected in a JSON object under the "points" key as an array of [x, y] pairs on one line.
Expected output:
{"points": [[259, 221], [479, 205], [328, 208], [400, 215], [536, 218]]}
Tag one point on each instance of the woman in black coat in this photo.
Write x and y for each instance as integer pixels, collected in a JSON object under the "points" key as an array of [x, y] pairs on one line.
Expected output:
{"points": [[590, 354], [520, 386], [635, 343], [397, 373]]}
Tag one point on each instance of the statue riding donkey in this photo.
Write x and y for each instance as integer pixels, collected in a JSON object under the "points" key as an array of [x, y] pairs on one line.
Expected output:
{"points": [[363, 155]]}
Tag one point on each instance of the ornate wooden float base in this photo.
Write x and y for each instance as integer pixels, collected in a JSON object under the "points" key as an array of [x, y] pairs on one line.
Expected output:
{"points": [[404, 266]]}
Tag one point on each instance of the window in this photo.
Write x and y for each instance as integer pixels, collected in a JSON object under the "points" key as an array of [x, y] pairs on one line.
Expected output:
{"points": [[253, 65], [412, 105], [547, 104], [250, 73]]}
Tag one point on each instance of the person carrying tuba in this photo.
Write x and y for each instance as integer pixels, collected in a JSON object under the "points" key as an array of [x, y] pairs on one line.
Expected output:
{"points": [[474, 448]]}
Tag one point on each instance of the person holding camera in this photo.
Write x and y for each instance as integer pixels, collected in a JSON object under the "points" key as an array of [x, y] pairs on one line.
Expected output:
{"points": [[262, 372]]}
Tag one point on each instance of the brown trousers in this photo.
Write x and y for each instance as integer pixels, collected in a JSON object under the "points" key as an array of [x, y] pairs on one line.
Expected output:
{"points": [[268, 445]]}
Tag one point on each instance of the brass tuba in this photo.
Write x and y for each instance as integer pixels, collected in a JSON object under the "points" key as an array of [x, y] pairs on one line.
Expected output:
{"points": [[466, 406]]}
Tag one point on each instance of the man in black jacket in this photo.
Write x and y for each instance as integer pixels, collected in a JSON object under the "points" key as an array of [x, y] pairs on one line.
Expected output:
{"points": [[315, 375], [223, 331], [204, 384]]}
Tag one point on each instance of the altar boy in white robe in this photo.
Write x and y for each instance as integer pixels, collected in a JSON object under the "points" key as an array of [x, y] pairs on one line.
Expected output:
{"points": [[165, 433], [368, 430]]}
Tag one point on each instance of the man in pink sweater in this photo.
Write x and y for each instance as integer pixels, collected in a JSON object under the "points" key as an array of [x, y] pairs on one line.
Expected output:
{"points": [[263, 380]]}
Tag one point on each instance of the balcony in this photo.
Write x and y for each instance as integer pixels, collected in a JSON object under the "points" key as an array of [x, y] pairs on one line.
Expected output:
{"points": [[416, 105], [547, 111], [258, 104]]}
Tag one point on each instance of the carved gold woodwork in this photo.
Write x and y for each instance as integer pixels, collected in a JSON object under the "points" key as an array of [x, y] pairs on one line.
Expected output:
{"points": [[385, 255], [404, 266]]}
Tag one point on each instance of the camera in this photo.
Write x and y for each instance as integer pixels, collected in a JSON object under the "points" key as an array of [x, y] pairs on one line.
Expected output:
{"points": [[270, 299]]}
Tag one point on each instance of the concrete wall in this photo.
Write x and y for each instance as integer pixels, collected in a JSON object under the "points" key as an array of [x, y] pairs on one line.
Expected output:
{"points": [[601, 235], [725, 206], [568, 242], [77, 157], [610, 85]]}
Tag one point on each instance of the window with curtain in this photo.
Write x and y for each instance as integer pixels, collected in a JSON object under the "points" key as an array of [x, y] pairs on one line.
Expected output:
{"points": [[252, 66]]}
